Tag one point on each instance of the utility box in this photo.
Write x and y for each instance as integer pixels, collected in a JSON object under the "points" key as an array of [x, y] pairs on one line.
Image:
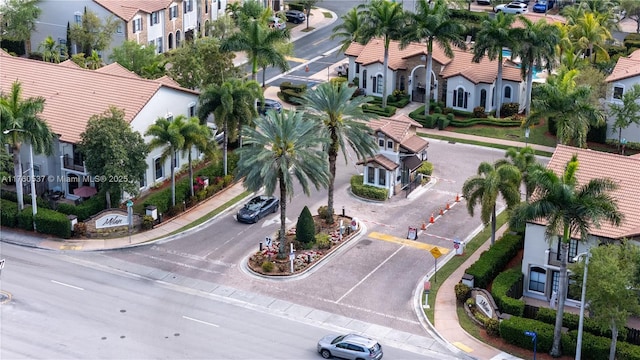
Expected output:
{"points": [[152, 211], [468, 280]]}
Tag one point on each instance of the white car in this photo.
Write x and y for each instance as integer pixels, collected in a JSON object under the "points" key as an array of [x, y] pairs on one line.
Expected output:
{"points": [[512, 8]]}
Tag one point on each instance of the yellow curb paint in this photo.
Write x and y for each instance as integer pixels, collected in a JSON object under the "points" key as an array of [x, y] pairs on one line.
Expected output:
{"points": [[407, 242], [295, 59], [70, 247], [462, 347]]}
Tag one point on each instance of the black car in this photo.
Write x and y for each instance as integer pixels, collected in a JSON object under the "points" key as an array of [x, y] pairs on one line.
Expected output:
{"points": [[267, 105], [257, 208], [295, 16]]}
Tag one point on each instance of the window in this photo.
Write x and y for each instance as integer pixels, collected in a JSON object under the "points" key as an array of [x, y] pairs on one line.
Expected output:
{"points": [[382, 177], [137, 25], [176, 159], [187, 5], [389, 144], [143, 181], [119, 28], [483, 98], [157, 165], [219, 5], [63, 46], [371, 175], [159, 45], [380, 84], [192, 109], [206, 6], [460, 98], [364, 79], [155, 17], [357, 68], [617, 92], [573, 249], [555, 280], [507, 92], [173, 12], [169, 116], [77, 17], [381, 143], [178, 38], [170, 41], [537, 279]]}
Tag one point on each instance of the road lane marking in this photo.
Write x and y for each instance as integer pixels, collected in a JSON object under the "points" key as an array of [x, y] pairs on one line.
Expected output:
{"points": [[319, 42], [200, 321], [67, 285], [369, 274], [407, 242]]}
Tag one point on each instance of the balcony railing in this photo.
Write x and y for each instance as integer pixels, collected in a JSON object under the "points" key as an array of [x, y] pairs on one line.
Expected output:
{"points": [[75, 164]]}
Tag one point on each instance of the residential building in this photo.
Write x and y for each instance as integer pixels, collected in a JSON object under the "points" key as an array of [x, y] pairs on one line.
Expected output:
{"points": [[163, 23], [458, 82], [73, 95], [541, 262], [625, 74], [400, 153]]}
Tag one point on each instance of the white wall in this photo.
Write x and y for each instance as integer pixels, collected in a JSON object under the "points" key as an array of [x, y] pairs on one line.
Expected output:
{"points": [[631, 133]]}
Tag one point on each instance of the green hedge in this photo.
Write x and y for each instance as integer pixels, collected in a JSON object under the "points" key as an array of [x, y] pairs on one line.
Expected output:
{"points": [[443, 122], [24, 219], [485, 121], [512, 331], [499, 288], [296, 6], [54, 223], [8, 213], [375, 109], [571, 322], [11, 196], [291, 96], [367, 191], [509, 109], [85, 209], [493, 261]]}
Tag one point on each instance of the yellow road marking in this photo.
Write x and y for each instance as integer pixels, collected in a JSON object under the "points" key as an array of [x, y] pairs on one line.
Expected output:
{"points": [[70, 247], [318, 42], [412, 243], [462, 347], [295, 59]]}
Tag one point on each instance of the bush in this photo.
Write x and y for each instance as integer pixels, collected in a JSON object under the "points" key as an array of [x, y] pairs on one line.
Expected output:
{"points": [[375, 109], [478, 112], [147, 222], [597, 134], [267, 266], [509, 109], [450, 117], [493, 261], [24, 219], [493, 327], [367, 191], [462, 292], [296, 6], [11, 196], [305, 227], [508, 122], [85, 209], [8, 213], [323, 212], [426, 168], [437, 110], [338, 80], [571, 321], [443, 122], [501, 286], [512, 331], [291, 96], [53, 222], [80, 229], [323, 241]]}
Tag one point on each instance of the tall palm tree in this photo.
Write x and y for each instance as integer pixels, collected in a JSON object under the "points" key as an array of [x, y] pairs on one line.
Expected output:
{"points": [[569, 105], [166, 134], [536, 48], [51, 50], [495, 34], [431, 23], [282, 148], [196, 136], [341, 119], [232, 103], [525, 160], [350, 28], [259, 42], [22, 122], [483, 189], [384, 19], [590, 34], [626, 113], [569, 209]]}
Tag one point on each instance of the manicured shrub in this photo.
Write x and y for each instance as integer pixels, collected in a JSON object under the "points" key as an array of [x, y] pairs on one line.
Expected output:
{"points": [[305, 227], [367, 191], [571, 322], [443, 122], [493, 327], [323, 212], [147, 222], [24, 220], [501, 286], [426, 168], [85, 209], [267, 266], [8, 213], [323, 241], [450, 117], [53, 222], [375, 109], [509, 109], [462, 292], [478, 112], [493, 261], [512, 331]]}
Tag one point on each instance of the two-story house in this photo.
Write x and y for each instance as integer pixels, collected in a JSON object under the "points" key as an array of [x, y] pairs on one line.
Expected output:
{"points": [[458, 82], [625, 74], [400, 153], [163, 23], [541, 262], [73, 95]]}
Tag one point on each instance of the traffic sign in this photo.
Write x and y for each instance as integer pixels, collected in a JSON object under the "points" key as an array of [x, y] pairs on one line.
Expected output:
{"points": [[129, 203], [267, 241], [533, 334], [436, 252], [456, 246]]}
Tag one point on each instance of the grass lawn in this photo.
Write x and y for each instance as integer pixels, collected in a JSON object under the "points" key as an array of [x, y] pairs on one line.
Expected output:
{"points": [[538, 134]]}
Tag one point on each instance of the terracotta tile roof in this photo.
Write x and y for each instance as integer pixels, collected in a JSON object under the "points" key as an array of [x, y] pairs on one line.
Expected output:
{"points": [[117, 69], [415, 144], [626, 67], [486, 71], [623, 170], [168, 81], [127, 9], [373, 52], [71, 64], [381, 160], [398, 130], [73, 95], [534, 18]]}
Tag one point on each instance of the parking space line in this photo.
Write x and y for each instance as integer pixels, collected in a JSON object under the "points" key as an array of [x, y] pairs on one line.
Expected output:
{"points": [[407, 242]]}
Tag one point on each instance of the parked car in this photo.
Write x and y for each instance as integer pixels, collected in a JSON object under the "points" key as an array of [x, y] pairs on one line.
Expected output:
{"points": [[350, 346], [295, 16], [277, 23], [343, 69], [218, 135], [512, 8], [483, 2], [257, 208], [267, 105], [541, 6]]}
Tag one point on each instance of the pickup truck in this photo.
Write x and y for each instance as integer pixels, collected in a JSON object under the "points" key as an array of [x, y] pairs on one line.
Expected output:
{"points": [[342, 69]]}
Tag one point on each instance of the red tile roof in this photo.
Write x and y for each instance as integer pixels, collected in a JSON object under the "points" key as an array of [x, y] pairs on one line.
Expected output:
{"points": [[373, 52], [117, 69], [72, 95], [534, 18], [381, 160], [626, 67], [623, 170], [127, 9], [399, 130], [486, 71]]}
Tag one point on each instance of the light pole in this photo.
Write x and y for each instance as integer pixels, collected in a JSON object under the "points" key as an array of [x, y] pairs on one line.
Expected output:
{"points": [[34, 205], [586, 255]]}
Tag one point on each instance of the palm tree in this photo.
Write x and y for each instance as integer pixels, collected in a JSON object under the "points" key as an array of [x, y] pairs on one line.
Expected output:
{"points": [[495, 34], [536, 48], [431, 23], [232, 104], [166, 134], [385, 19], [282, 148], [340, 117], [195, 135], [589, 34], [350, 28], [94, 62], [525, 160], [492, 180], [51, 51], [569, 105], [626, 113], [21, 120], [569, 209], [259, 42]]}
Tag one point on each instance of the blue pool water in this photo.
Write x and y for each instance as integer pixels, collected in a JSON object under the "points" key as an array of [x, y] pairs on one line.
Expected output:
{"points": [[506, 53]]}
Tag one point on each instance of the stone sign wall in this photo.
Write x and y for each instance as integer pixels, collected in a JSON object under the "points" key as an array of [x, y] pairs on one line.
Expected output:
{"points": [[111, 222]]}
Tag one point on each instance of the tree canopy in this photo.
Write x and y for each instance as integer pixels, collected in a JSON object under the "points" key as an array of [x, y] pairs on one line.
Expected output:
{"points": [[92, 33], [141, 59]]}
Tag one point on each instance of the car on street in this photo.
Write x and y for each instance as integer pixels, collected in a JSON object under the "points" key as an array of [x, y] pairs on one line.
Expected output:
{"points": [[267, 105], [257, 208], [512, 8], [350, 346], [342, 69], [277, 23], [541, 6], [295, 16]]}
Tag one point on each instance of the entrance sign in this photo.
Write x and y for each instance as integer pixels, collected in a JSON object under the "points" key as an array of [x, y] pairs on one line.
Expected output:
{"points": [[112, 220]]}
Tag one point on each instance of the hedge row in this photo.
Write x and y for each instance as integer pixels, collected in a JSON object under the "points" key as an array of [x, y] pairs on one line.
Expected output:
{"points": [[399, 101], [485, 121], [367, 191], [571, 322], [47, 221], [12, 196], [512, 331], [375, 109], [85, 209], [500, 287], [291, 93], [8, 213], [493, 261]]}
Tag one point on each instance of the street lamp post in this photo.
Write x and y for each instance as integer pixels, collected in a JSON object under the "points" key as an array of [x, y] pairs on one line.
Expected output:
{"points": [[34, 205], [586, 256]]}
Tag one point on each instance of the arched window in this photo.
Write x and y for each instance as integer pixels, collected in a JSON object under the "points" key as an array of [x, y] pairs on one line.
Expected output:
{"points": [[460, 98], [537, 279], [178, 38], [380, 84], [483, 98], [507, 92], [170, 41], [364, 79]]}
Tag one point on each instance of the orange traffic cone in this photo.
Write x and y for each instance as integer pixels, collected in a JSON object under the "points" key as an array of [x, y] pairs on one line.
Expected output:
{"points": [[447, 206], [457, 198], [424, 226], [441, 211], [432, 220]]}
